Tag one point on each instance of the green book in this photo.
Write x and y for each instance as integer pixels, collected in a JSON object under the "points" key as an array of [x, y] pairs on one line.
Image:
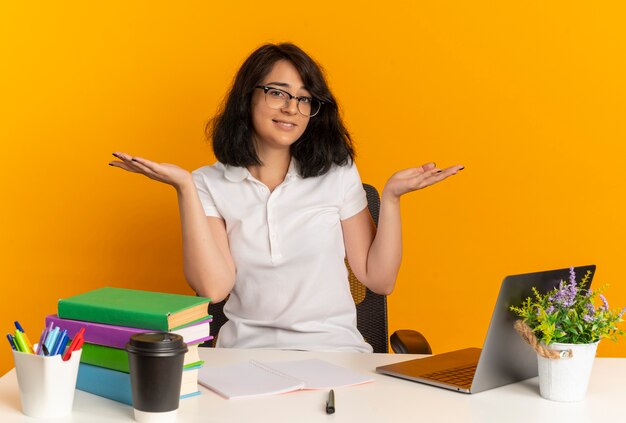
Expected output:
{"points": [[101, 356], [135, 308], [117, 358]]}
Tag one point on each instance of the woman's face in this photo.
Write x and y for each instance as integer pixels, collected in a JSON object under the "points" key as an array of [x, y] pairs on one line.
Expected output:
{"points": [[279, 128]]}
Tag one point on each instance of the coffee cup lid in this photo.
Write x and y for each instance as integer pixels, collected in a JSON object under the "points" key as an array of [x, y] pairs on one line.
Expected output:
{"points": [[156, 342]]}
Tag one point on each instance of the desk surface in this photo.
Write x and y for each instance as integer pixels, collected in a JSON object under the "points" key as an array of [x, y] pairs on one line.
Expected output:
{"points": [[387, 399]]}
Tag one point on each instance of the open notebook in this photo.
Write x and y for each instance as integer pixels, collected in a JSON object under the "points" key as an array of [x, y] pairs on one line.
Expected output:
{"points": [[254, 378]]}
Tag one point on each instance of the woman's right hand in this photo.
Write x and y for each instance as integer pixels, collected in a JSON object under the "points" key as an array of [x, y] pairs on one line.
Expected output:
{"points": [[162, 172]]}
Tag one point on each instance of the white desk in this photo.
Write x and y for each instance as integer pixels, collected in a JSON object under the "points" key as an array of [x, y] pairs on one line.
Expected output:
{"points": [[386, 400]]}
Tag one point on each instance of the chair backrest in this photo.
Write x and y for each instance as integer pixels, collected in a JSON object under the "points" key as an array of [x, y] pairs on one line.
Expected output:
{"points": [[371, 308]]}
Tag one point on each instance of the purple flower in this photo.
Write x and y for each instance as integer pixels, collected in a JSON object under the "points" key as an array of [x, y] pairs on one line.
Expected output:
{"points": [[622, 312], [591, 310], [605, 303], [573, 288], [565, 296], [550, 309], [587, 318], [572, 276]]}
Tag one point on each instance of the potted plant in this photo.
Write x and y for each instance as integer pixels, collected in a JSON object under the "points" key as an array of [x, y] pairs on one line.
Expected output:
{"points": [[564, 326]]}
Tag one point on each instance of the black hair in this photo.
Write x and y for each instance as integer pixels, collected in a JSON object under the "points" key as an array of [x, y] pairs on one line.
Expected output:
{"points": [[325, 141]]}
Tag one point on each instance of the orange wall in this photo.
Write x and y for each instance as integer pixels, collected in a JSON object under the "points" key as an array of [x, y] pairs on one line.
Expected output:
{"points": [[529, 97]]}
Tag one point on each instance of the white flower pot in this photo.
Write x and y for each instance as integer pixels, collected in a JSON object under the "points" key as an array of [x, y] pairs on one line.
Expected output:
{"points": [[566, 379]]}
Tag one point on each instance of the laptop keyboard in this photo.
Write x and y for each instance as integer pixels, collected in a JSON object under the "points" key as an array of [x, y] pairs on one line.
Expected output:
{"points": [[459, 376]]}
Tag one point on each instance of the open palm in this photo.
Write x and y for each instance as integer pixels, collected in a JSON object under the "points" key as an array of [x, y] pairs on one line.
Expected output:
{"points": [[167, 173], [412, 179]]}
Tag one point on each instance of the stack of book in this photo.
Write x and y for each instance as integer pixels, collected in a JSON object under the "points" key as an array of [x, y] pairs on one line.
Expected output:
{"points": [[111, 316]]}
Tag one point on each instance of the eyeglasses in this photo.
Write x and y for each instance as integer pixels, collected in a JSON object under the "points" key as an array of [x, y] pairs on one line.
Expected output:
{"points": [[279, 99]]}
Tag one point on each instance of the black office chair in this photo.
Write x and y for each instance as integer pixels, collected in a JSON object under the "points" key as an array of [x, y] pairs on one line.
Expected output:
{"points": [[371, 309]]}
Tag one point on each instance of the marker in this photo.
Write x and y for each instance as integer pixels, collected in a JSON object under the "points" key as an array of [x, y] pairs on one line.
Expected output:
{"points": [[21, 329], [330, 404], [10, 338], [21, 343]]}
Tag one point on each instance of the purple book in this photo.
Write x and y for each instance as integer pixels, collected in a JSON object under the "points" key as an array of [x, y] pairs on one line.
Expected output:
{"points": [[118, 336]]}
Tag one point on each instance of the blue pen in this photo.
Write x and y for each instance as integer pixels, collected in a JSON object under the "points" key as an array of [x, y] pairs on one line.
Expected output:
{"points": [[10, 338], [19, 327], [60, 343], [63, 344], [51, 338]]}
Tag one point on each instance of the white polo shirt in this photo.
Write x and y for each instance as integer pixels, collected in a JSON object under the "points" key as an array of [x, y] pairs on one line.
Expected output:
{"points": [[291, 289]]}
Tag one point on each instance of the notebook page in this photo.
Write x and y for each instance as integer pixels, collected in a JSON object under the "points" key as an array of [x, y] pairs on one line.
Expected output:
{"points": [[320, 374], [248, 379]]}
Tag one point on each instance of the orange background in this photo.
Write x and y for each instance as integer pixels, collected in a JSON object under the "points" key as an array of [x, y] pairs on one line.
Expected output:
{"points": [[529, 96]]}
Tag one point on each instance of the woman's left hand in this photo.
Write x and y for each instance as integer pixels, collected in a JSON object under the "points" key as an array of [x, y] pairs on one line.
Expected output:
{"points": [[408, 180]]}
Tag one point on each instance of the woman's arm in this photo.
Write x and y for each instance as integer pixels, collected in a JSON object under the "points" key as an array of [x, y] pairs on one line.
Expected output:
{"points": [[207, 261], [208, 264], [374, 253]]}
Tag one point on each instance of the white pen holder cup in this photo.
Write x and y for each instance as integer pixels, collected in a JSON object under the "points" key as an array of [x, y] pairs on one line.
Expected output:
{"points": [[47, 384]]}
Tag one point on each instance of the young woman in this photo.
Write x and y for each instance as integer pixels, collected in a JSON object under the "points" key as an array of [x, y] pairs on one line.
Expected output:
{"points": [[271, 222]]}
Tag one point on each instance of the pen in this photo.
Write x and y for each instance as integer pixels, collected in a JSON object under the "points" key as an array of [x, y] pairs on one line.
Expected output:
{"points": [[41, 339], [76, 343], [42, 342], [77, 346], [10, 338], [51, 338], [330, 404], [18, 326], [59, 346]]}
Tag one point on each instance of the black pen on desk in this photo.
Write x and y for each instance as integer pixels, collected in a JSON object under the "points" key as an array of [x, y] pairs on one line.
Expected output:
{"points": [[330, 404]]}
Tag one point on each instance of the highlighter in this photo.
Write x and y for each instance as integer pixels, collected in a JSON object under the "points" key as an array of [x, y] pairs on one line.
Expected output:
{"points": [[21, 329], [21, 343]]}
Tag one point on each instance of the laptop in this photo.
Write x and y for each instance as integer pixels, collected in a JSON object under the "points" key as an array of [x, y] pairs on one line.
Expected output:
{"points": [[505, 358]]}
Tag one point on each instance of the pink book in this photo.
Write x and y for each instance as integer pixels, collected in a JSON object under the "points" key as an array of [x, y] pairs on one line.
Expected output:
{"points": [[118, 336]]}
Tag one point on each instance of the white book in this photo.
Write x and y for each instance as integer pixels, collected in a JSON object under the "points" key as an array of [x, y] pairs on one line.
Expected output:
{"points": [[253, 378], [192, 355], [194, 333]]}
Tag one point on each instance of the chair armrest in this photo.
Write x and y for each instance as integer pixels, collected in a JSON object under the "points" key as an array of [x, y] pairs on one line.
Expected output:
{"points": [[409, 342]]}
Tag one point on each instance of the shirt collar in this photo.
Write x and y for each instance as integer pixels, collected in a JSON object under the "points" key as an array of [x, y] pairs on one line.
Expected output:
{"points": [[292, 172], [235, 173], [238, 174]]}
